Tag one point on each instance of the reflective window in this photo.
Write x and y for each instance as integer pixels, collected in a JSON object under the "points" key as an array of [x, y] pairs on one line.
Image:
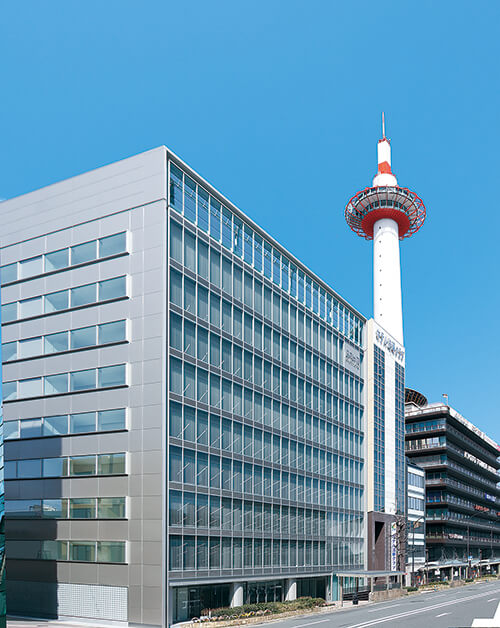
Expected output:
{"points": [[54, 550], [111, 464], [30, 267], [55, 425], [112, 245], [82, 551], [10, 430], [111, 507], [82, 508], [28, 468], [56, 301], [83, 253], [54, 467], [110, 552], [30, 387], [9, 390], [30, 307], [111, 420], [82, 465], [54, 508], [82, 422], [84, 337], [9, 312], [53, 343], [56, 384], [112, 288], [111, 376], [8, 273], [30, 347], [112, 332], [9, 351], [82, 380], [56, 260], [31, 428], [83, 295], [22, 508]]}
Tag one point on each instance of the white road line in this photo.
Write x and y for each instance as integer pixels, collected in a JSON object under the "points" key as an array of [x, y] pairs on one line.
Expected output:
{"points": [[321, 621], [425, 609], [382, 608], [441, 595], [492, 599], [442, 614]]}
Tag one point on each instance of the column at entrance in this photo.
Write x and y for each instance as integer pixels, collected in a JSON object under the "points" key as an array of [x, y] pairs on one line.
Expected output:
{"points": [[237, 594], [291, 589]]}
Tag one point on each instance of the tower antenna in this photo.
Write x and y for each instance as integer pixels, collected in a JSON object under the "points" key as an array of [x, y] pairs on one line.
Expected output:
{"points": [[383, 126]]}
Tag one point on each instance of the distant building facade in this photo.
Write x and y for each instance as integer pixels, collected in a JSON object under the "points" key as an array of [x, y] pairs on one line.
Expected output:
{"points": [[461, 477], [415, 505]]}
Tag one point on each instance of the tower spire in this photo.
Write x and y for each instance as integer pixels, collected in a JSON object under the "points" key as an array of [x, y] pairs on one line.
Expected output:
{"points": [[383, 126]]}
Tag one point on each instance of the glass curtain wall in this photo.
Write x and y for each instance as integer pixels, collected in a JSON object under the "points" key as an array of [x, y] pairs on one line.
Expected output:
{"points": [[265, 424]]}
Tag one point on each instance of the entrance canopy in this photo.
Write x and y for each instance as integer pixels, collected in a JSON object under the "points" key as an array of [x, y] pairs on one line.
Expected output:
{"points": [[367, 574]]}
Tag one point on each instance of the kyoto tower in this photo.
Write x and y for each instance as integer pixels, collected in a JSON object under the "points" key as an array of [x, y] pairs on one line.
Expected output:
{"points": [[386, 213]]}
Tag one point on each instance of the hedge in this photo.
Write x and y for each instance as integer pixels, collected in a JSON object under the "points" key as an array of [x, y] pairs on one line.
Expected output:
{"points": [[262, 608]]}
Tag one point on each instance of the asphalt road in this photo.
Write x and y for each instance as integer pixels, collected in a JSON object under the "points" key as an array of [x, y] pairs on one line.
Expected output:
{"points": [[453, 608]]}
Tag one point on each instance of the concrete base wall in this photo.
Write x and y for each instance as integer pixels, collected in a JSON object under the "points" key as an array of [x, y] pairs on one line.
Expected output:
{"points": [[391, 594]]}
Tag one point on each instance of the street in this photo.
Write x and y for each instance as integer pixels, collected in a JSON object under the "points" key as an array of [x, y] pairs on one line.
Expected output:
{"points": [[453, 608]]}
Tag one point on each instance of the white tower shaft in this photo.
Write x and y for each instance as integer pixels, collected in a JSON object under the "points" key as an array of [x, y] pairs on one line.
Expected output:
{"points": [[387, 305]]}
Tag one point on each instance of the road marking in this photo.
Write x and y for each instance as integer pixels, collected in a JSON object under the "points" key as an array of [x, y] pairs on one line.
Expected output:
{"points": [[382, 608], [425, 609], [321, 621], [491, 599], [442, 614], [441, 595]]}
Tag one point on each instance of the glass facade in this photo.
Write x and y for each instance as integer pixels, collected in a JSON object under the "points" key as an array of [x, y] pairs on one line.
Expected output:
{"points": [[265, 423], [3, 603], [379, 429], [400, 438]]}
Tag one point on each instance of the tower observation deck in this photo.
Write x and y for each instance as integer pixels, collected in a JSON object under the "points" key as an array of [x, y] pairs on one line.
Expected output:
{"points": [[386, 213]]}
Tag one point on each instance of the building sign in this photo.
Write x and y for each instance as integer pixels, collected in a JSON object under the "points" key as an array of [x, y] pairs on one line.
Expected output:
{"points": [[489, 497], [352, 359], [481, 508], [385, 341], [394, 547], [479, 462], [452, 535]]}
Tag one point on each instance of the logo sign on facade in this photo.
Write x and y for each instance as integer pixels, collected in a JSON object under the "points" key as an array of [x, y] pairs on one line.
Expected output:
{"points": [[352, 359], [394, 547], [489, 497], [390, 345]]}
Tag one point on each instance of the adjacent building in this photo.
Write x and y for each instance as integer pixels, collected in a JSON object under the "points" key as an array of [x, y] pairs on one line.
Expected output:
{"points": [[184, 404], [415, 508], [461, 477]]}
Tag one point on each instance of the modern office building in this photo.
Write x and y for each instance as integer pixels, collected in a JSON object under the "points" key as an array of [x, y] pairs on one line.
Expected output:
{"points": [[461, 476], [183, 403], [385, 213], [415, 508], [3, 605]]}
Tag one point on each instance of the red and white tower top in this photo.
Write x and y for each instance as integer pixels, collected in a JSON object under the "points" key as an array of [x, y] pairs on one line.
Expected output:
{"points": [[386, 213], [385, 199]]}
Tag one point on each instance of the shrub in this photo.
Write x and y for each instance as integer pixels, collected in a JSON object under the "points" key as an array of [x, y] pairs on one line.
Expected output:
{"points": [[411, 588], [263, 608]]}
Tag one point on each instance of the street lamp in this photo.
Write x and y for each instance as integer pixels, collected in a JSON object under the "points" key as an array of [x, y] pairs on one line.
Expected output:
{"points": [[413, 526], [468, 544]]}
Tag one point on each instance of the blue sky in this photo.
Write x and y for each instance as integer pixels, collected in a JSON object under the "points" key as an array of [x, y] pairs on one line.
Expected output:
{"points": [[277, 104]]}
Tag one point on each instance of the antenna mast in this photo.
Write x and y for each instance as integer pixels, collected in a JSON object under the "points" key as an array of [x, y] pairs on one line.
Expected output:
{"points": [[383, 126]]}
